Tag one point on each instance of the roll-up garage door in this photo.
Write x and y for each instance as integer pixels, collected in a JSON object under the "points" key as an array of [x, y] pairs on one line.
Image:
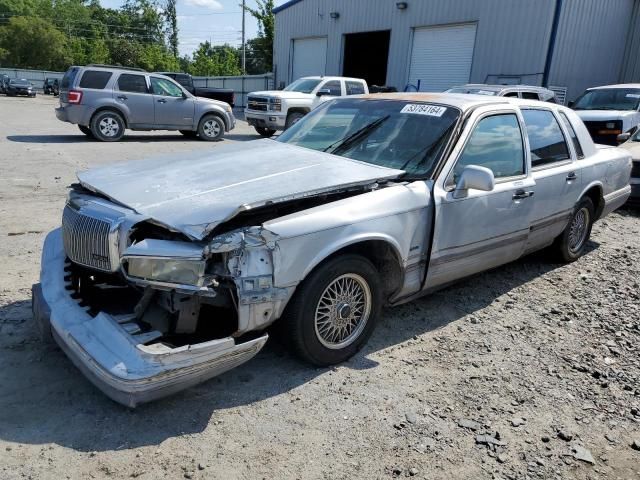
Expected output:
{"points": [[441, 56], [309, 57]]}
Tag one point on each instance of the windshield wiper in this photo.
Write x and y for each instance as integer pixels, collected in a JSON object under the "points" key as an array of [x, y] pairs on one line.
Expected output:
{"points": [[359, 134]]}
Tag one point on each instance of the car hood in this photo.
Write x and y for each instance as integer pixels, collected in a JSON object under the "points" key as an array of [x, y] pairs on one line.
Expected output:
{"points": [[211, 101], [194, 192], [604, 115], [281, 94]]}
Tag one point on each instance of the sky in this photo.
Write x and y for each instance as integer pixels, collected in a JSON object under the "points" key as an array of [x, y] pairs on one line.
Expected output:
{"points": [[219, 21]]}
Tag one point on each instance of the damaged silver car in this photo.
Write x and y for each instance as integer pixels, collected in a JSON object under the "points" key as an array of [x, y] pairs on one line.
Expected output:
{"points": [[167, 272]]}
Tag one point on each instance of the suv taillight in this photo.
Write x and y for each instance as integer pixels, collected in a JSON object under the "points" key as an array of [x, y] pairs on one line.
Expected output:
{"points": [[74, 96]]}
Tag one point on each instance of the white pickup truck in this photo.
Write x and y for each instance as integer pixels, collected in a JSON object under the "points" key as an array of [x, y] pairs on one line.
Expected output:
{"points": [[274, 110]]}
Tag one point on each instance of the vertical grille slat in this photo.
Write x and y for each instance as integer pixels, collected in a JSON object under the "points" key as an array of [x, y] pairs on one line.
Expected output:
{"points": [[86, 239]]}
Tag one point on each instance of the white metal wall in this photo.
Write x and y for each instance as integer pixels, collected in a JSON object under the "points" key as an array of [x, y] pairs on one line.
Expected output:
{"points": [[441, 56]]}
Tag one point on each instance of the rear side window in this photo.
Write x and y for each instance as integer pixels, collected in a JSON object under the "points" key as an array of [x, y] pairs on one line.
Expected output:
{"points": [[69, 77], [496, 143], [354, 88], [572, 134], [530, 96], [546, 140], [95, 79], [132, 83]]}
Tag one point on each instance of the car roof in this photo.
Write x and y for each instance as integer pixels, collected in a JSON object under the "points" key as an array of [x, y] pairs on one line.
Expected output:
{"points": [[618, 85], [326, 77], [499, 88]]}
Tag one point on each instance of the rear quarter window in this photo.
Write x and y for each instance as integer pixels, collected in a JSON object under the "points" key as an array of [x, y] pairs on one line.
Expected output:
{"points": [[530, 96], [95, 79], [69, 77], [572, 134]]}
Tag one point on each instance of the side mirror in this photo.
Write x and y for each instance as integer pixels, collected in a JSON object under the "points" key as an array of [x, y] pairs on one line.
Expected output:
{"points": [[623, 137], [322, 92], [473, 176], [570, 104]]}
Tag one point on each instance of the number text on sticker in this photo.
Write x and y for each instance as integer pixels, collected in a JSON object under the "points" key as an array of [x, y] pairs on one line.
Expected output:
{"points": [[422, 109]]}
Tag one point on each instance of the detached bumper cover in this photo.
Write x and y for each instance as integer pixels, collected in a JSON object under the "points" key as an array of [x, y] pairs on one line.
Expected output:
{"points": [[128, 372]]}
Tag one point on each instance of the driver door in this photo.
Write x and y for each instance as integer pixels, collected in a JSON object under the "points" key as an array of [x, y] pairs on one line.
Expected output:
{"points": [[172, 108], [477, 230]]}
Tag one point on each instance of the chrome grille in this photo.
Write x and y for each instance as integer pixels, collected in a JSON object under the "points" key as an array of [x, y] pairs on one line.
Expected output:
{"points": [[86, 239], [257, 103]]}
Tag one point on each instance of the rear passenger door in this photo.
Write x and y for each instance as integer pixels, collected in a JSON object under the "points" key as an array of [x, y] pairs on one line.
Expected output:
{"points": [[556, 175], [133, 95]]}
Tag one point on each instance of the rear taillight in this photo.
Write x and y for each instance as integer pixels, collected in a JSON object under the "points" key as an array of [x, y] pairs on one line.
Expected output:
{"points": [[74, 96]]}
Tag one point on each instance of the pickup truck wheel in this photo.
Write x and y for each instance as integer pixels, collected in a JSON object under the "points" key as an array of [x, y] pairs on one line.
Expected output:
{"points": [[334, 311], [189, 133], [86, 131], [211, 128], [293, 118], [107, 126], [265, 132], [571, 244]]}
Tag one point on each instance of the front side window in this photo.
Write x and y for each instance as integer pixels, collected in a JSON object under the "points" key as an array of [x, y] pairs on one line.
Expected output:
{"points": [[334, 87], [409, 136], [303, 85], [546, 140], [609, 99], [354, 88], [132, 83], [496, 143], [95, 79], [572, 134], [160, 86]]}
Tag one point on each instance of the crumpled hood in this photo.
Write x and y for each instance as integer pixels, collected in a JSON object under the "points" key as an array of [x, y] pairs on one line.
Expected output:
{"points": [[287, 95], [196, 191]]}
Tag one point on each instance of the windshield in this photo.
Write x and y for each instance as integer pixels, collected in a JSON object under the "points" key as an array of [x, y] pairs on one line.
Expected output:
{"points": [[474, 90], [404, 135], [303, 85], [609, 99]]}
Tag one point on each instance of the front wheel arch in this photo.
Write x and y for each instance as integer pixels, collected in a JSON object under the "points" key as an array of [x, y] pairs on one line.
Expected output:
{"points": [[215, 113]]}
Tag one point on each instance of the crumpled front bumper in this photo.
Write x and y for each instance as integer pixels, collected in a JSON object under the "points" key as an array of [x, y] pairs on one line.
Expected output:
{"points": [[125, 370]]}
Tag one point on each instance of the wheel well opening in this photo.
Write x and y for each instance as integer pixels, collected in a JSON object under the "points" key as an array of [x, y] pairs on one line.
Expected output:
{"points": [[303, 111], [595, 194], [384, 258], [110, 109], [213, 114]]}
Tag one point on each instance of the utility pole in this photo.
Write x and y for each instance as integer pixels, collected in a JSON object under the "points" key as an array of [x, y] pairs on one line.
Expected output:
{"points": [[244, 46]]}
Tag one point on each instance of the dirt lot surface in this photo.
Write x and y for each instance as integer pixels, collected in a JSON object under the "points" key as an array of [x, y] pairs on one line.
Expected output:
{"points": [[528, 371]]}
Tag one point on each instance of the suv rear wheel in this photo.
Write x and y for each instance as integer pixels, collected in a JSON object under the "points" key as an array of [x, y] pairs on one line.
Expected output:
{"points": [[211, 128], [107, 126]]}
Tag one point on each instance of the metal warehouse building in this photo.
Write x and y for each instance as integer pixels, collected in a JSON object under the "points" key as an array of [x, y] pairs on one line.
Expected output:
{"points": [[572, 44]]}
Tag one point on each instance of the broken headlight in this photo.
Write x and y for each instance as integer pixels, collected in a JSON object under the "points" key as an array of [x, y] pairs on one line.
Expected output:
{"points": [[167, 270]]}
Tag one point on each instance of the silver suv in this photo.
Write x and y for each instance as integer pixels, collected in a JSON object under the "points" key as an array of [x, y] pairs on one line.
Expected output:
{"points": [[104, 101]]}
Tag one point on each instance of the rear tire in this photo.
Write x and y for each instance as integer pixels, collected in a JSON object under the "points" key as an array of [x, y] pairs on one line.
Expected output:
{"points": [[86, 130], [211, 128], [265, 132], [293, 118], [571, 244], [107, 126], [334, 311], [189, 133]]}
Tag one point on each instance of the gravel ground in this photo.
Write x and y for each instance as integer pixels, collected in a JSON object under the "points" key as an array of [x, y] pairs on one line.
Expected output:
{"points": [[527, 371]]}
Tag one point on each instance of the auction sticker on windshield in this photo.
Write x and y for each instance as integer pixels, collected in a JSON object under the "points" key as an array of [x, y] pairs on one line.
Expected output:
{"points": [[422, 109]]}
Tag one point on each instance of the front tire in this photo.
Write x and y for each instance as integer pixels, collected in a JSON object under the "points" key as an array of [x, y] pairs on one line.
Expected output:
{"points": [[571, 244], [265, 132], [211, 128], [334, 311], [292, 119], [107, 126]]}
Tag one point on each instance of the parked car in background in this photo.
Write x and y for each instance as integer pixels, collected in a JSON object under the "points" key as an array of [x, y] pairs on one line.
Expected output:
{"points": [[4, 83], [166, 272], [20, 86], [527, 92], [273, 110], [609, 111], [51, 86], [104, 101], [222, 94], [632, 145]]}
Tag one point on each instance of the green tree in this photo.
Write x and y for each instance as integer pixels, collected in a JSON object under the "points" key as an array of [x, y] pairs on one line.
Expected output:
{"points": [[262, 46], [171, 21], [32, 42], [210, 60]]}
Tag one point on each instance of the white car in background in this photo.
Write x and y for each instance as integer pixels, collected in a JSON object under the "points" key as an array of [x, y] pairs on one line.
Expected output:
{"points": [[609, 111], [273, 110]]}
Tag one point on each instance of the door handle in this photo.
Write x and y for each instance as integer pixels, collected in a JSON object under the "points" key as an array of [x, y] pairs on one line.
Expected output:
{"points": [[162, 100], [572, 176], [122, 97], [520, 194]]}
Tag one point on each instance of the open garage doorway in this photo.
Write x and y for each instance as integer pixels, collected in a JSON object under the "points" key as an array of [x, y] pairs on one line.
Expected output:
{"points": [[366, 55]]}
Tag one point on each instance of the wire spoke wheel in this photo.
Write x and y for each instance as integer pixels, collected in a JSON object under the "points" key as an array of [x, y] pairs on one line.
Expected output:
{"points": [[342, 311], [578, 230]]}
